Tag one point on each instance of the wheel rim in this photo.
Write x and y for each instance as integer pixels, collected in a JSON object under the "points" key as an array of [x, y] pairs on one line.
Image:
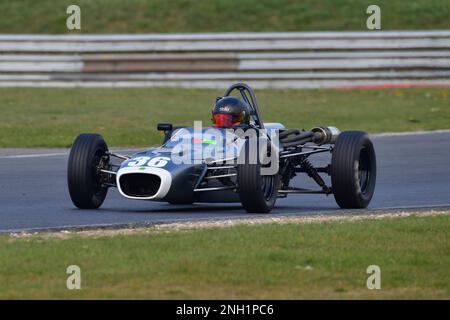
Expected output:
{"points": [[364, 165], [98, 190]]}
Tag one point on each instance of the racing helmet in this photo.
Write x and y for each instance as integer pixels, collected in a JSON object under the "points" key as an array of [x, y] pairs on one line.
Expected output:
{"points": [[230, 111]]}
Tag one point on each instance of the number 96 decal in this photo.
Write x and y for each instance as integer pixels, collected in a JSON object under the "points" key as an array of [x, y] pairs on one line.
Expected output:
{"points": [[158, 162]]}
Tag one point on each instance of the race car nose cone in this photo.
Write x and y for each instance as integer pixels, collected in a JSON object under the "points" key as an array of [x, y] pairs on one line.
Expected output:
{"points": [[145, 183]]}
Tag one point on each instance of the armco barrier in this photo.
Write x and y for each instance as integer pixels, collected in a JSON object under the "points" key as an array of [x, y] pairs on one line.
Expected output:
{"points": [[265, 60]]}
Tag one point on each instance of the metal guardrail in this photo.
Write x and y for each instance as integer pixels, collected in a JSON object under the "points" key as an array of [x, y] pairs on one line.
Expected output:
{"points": [[292, 59]]}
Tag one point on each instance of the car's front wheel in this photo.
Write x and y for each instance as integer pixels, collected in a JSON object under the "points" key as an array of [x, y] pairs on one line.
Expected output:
{"points": [[257, 192], [85, 187]]}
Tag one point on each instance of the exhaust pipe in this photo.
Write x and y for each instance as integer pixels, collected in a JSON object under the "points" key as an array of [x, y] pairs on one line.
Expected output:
{"points": [[324, 135], [318, 135]]}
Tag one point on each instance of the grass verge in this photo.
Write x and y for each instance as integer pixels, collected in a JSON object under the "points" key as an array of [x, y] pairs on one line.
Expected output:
{"points": [[289, 261], [48, 117], [161, 16]]}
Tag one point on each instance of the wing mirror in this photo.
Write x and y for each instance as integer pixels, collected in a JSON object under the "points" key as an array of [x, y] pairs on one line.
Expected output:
{"points": [[164, 127]]}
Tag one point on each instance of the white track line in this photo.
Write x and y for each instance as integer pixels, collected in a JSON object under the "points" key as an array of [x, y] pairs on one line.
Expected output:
{"points": [[376, 135], [36, 155], [150, 223], [42, 155], [431, 206], [410, 133]]}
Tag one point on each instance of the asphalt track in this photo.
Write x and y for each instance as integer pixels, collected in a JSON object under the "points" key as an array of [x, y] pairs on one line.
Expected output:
{"points": [[413, 172]]}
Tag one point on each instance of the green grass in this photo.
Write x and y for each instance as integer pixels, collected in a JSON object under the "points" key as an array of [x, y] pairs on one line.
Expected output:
{"points": [[161, 16], [127, 117], [319, 260]]}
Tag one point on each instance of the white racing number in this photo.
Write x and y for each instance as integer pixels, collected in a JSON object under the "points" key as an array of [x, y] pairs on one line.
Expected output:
{"points": [[157, 162]]}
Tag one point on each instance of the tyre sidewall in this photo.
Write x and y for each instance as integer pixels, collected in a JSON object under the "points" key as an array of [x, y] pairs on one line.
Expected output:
{"points": [[82, 180], [250, 181], [344, 177]]}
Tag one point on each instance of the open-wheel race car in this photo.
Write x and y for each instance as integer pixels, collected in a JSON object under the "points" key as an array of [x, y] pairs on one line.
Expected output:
{"points": [[239, 159]]}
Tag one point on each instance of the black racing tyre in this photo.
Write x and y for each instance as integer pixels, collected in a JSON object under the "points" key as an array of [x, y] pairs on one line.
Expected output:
{"points": [[257, 193], [83, 179], [353, 170]]}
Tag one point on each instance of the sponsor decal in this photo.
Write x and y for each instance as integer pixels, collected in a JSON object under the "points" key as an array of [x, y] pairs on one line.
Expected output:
{"points": [[204, 141]]}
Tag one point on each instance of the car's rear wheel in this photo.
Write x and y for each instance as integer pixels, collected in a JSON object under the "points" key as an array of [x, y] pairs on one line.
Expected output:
{"points": [[353, 170], [257, 192], [85, 187]]}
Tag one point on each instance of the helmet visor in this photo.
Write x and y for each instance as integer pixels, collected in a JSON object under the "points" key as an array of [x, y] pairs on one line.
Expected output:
{"points": [[226, 120]]}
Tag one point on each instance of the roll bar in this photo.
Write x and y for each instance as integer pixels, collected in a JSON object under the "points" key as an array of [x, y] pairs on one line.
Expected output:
{"points": [[245, 89]]}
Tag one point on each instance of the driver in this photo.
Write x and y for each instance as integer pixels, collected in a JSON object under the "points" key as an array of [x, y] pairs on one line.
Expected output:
{"points": [[229, 112]]}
